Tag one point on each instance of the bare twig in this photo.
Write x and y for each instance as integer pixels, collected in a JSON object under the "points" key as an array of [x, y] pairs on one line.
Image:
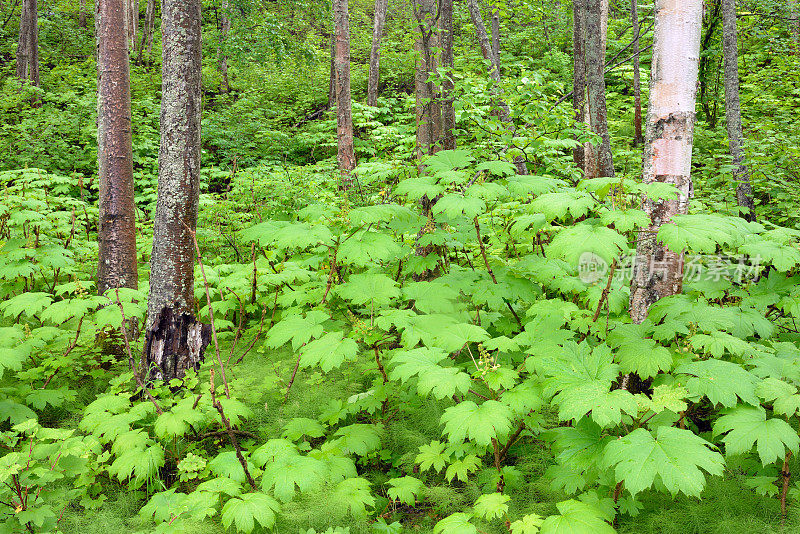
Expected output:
{"points": [[232, 435], [210, 311]]}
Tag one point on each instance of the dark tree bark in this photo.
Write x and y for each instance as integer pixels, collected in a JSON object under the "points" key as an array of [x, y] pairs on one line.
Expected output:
{"points": [[82, 14], [375, 53], [658, 271], [222, 55], [174, 339], [637, 90], [448, 110], [346, 153], [596, 87], [429, 110], [579, 74], [146, 43], [733, 112], [116, 231], [28, 45]]}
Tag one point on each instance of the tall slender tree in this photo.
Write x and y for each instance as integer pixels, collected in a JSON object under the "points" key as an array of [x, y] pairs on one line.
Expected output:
{"points": [[146, 43], [82, 13], [429, 110], [332, 84], [733, 112], [496, 32], [381, 7], [131, 21], [222, 54], [503, 111], [658, 271], [175, 340], [637, 89], [28, 44], [579, 74], [596, 21], [116, 232], [346, 153], [448, 110]]}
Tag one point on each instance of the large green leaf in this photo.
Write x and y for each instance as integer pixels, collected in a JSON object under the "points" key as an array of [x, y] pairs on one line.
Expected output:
{"points": [[748, 425]]}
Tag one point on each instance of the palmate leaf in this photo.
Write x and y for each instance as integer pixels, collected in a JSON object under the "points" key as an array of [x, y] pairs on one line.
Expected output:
{"points": [[461, 468], [720, 381], [453, 336], [748, 425], [457, 523], [643, 357], [529, 524], [366, 248], [245, 511], [297, 329], [405, 489], [718, 343], [30, 303], [374, 288], [557, 205], [432, 456], [289, 471], [355, 495], [491, 506], [498, 168], [605, 407], [782, 257], [676, 456], [418, 187], [328, 352], [480, 424], [455, 205], [358, 439], [424, 363], [574, 241], [784, 397], [625, 220], [703, 233], [448, 160], [302, 427], [666, 397], [576, 517]]}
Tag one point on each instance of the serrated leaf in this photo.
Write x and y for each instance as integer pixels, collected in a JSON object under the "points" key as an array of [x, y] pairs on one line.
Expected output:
{"points": [[405, 489], [297, 329], [289, 471], [576, 517], [374, 288], [747, 426], [243, 512], [302, 426], [355, 495], [574, 241], [491, 506], [328, 352], [720, 381], [457, 523], [675, 455], [480, 424]]}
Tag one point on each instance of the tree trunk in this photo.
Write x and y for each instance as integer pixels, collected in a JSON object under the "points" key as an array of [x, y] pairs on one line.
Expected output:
{"points": [[602, 162], [82, 14], [448, 111], [494, 73], [637, 90], [658, 272], [132, 11], [579, 74], [346, 154], [795, 22], [225, 27], [733, 112], [375, 53], [116, 232], [429, 111], [175, 340], [28, 45], [146, 44], [496, 33]]}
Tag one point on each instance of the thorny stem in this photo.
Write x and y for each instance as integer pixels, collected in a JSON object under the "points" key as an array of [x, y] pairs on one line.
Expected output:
{"points": [[232, 435], [500, 482], [294, 374], [136, 375], [489, 268], [210, 311], [786, 474], [69, 349]]}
